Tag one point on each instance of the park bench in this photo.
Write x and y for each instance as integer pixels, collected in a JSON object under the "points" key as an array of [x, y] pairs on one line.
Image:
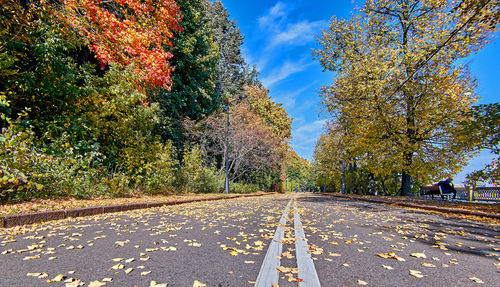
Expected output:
{"points": [[431, 190]]}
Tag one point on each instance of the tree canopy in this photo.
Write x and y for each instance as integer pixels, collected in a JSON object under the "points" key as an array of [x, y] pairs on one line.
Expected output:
{"points": [[399, 93]]}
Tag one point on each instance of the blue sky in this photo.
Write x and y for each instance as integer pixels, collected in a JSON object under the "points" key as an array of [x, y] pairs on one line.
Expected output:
{"points": [[279, 37]]}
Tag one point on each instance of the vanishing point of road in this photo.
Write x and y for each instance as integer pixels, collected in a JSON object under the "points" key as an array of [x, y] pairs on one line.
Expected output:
{"points": [[273, 240]]}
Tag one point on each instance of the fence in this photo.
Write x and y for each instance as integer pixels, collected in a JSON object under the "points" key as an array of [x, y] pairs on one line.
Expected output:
{"points": [[485, 194], [480, 193]]}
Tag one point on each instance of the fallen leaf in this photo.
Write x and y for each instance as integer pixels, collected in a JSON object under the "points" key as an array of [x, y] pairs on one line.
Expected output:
{"points": [[390, 255], [107, 279], [145, 273], [58, 278], [129, 270], [477, 280], [427, 264], [117, 259], [197, 283], [387, 267], [96, 284], [249, 262], [118, 266], [362, 283], [418, 255], [416, 273], [154, 284]]}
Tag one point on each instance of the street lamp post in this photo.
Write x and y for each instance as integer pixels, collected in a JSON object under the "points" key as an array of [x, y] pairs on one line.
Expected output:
{"points": [[226, 109], [226, 180]]}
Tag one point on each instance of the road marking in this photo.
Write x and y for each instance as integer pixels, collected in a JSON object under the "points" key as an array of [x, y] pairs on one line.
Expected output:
{"points": [[268, 274], [305, 264]]}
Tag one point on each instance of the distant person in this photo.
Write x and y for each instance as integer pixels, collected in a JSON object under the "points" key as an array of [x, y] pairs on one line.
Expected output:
{"points": [[447, 187]]}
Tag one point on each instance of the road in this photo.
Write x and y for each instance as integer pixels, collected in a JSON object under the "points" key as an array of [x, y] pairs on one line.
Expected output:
{"points": [[236, 242]]}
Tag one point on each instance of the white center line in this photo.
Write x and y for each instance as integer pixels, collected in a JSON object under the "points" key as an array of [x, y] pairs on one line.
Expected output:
{"points": [[268, 274], [305, 264]]}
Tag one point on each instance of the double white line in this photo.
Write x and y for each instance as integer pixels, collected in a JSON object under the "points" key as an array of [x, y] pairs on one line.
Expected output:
{"points": [[268, 274]]}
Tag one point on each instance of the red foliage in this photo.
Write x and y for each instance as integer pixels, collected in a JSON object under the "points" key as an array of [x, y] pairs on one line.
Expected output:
{"points": [[128, 32]]}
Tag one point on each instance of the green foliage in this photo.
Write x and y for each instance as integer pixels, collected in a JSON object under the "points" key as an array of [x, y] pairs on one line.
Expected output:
{"points": [[193, 92], [18, 158], [195, 177], [242, 188], [483, 131]]}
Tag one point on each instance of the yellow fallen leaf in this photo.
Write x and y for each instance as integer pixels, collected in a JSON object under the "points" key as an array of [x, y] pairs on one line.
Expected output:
{"points": [[390, 255], [117, 259], [427, 264], [145, 273], [477, 280], [416, 273], [197, 283], [283, 269], [129, 270], [96, 284], [387, 267], [118, 266], [234, 253], [36, 274], [58, 278], [249, 262], [418, 255], [362, 283], [107, 279], [154, 284]]}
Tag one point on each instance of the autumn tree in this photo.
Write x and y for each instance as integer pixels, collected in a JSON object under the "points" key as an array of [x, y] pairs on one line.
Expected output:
{"points": [[128, 32], [273, 114], [252, 145], [398, 91]]}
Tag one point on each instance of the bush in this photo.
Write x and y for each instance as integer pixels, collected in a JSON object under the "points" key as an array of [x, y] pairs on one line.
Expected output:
{"points": [[242, 188], [195, 177]]}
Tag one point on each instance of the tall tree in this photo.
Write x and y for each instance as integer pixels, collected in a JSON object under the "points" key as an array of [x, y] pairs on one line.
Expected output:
{"points": [[398, 91], [231, 67], [195, 62]]}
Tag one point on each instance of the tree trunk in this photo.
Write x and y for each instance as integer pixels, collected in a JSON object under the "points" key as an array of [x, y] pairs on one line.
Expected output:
{"points": [[406, 185]]}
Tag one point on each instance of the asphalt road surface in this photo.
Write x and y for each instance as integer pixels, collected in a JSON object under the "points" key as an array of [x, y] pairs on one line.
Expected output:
{"points": [[288, 240]]}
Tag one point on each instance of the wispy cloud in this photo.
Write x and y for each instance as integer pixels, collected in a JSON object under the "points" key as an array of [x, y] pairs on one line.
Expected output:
{"points": [[305, 135], [298, 34], [288, 99], [275, 15], [284, 71], [280, 30]]}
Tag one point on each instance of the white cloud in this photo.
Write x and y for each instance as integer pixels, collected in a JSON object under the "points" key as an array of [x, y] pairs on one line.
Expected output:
{"points": [[299, 33], [288, 68], [315, 127], [305, 136], [274, 16]]}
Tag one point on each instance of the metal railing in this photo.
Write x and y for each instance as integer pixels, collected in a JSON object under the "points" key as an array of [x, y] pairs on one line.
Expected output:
{"points": [[485, 193]]}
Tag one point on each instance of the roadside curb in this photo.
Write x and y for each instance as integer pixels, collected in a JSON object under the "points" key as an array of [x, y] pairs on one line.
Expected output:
{"points": [[37, 217], [426, 207]]}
